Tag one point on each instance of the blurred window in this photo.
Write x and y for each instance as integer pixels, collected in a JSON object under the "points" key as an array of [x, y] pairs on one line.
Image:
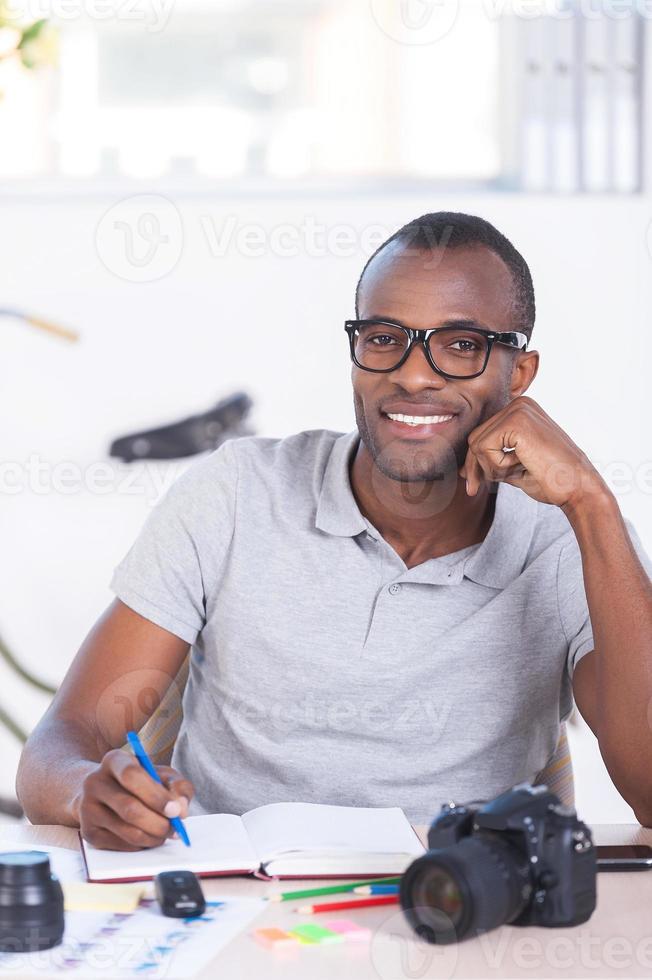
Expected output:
{"points": [[452, 92]]}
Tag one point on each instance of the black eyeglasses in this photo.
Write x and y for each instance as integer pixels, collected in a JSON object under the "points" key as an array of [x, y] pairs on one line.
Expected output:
{"points": [[453, 352]]}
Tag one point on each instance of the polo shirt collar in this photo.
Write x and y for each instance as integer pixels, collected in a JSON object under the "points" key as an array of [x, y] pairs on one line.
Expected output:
{"points": [[337, 508], [499, 559], [502, 556]]}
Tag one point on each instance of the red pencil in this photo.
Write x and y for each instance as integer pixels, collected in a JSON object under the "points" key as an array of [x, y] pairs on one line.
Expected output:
{"points": [[361, 903]]}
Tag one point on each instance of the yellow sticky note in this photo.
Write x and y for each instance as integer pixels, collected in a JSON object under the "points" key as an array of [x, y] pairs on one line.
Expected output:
{"points": [[82, 896]]}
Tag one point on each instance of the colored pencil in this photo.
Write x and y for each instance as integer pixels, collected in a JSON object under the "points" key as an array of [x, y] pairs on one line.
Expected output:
{"points": [[361, 903], [376, 890], [330, 889]]}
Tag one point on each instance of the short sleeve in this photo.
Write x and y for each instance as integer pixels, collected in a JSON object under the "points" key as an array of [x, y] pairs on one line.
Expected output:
{"points": [[571, 596], [179, 554]]}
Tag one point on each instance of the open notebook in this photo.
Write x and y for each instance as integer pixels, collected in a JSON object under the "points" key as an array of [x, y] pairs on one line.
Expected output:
{"points": [[284, 840]]}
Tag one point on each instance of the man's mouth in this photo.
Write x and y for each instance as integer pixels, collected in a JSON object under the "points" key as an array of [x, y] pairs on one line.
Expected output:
{"points": [[418, 419], [415, 426]]}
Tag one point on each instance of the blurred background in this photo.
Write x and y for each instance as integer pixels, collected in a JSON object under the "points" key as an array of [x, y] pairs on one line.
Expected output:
{"points": [[188, 192]]}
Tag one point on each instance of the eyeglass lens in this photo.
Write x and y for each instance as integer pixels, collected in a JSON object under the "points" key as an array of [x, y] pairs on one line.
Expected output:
{"points": [[454, 351]]}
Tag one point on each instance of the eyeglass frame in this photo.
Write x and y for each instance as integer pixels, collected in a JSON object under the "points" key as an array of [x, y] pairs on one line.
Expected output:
{"points": [[515, 339]]}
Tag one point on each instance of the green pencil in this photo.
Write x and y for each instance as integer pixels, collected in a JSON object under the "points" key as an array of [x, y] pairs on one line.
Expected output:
{"points": [[332, 889]]}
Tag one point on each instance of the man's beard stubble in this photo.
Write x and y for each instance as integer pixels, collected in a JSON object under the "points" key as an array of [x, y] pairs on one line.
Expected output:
{"points": [[437, 462]]}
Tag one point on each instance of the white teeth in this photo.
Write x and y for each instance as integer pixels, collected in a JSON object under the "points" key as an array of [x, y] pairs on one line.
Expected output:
{"points": [[419, 419]]}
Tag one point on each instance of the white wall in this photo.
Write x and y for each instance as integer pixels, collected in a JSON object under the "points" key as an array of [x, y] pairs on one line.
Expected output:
{"points": [[273, 326]]}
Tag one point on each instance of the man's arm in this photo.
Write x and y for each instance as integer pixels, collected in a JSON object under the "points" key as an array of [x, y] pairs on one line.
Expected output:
{"points": [[72, 770], [612, 685]]}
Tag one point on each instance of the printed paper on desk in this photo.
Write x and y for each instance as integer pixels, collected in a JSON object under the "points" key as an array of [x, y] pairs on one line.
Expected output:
{"points": [[141, 943]]}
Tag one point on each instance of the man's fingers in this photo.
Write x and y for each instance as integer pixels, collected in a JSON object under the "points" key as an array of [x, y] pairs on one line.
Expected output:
{"points": [[101, 837], [474, 473], [170, 798], [124, 808], [175, 782], [135, 837], [493, 465], [128, 772], [132, 811], [180, 787], [525, 481]]}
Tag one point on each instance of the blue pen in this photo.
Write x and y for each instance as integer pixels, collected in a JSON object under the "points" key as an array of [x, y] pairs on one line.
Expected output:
{"points": [[146, 763]]}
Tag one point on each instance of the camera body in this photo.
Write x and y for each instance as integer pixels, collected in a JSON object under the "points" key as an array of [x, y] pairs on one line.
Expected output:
{"points": [[557, 846], [522, 858]]}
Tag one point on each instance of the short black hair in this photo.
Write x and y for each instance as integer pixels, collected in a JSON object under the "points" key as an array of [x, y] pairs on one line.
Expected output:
{"points": [[454, 229]]}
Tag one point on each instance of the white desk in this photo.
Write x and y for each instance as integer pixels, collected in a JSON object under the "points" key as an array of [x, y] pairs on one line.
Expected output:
{"points": [[615, 942]]}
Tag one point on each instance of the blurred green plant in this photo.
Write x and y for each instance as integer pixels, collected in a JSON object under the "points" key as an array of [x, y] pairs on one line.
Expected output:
{"points": [[34, 42]]}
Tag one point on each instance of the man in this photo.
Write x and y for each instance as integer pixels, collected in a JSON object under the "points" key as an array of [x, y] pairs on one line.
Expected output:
{"points": [[399, 615]]}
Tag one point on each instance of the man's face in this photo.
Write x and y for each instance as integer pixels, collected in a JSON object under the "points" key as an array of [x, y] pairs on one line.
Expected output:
{"points": [[421, 290]]}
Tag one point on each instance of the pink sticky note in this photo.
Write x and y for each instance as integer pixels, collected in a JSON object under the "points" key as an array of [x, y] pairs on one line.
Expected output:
{"points": [[349, 929]]}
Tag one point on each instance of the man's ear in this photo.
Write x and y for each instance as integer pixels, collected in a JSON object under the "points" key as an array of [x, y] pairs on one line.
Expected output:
{"points": [[524, 371]]}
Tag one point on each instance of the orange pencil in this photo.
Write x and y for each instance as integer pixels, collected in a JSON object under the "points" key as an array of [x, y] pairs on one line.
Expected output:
{"points": [[361, 903]]}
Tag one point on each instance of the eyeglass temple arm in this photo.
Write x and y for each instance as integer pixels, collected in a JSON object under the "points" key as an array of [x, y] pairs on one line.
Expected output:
{"points": [[516, 339]]}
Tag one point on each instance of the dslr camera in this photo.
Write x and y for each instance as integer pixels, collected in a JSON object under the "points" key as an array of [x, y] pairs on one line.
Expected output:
{"points": [[523, 858]]}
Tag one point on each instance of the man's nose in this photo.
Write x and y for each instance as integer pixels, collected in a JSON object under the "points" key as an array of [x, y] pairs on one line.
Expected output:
{"points": [[416, 372]]}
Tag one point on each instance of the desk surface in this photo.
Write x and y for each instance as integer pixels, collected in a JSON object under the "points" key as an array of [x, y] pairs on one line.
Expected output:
{"points": [[615, 942]]}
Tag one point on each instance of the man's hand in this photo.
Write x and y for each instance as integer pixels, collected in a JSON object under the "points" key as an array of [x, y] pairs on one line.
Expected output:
{"points": [[121, 807], [545, 461]]}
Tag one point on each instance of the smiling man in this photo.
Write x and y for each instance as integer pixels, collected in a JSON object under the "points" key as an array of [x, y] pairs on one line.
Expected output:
{"points": [[398, 615]]}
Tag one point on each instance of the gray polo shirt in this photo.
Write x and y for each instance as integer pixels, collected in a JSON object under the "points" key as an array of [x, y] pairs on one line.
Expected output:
{"points": [[322, 668]]}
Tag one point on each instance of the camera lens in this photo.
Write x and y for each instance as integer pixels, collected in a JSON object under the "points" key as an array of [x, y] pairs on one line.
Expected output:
{"points": [[31, 903], [452, 893], [439, 891]]}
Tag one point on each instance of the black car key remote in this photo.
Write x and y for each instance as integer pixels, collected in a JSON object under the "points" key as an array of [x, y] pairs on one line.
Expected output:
{"points": [[179, 894]]}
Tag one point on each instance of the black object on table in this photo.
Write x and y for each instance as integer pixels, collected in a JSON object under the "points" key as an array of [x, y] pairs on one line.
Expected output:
{"points": [[179, 894], [192, 435]]}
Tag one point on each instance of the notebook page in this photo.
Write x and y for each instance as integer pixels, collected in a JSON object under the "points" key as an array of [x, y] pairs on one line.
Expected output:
{"points": [[280, 828], [219, 842], [301, 864]]}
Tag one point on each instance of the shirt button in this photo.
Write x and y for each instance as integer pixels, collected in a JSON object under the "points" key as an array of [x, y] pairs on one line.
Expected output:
{"points": [[394, 589]]}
